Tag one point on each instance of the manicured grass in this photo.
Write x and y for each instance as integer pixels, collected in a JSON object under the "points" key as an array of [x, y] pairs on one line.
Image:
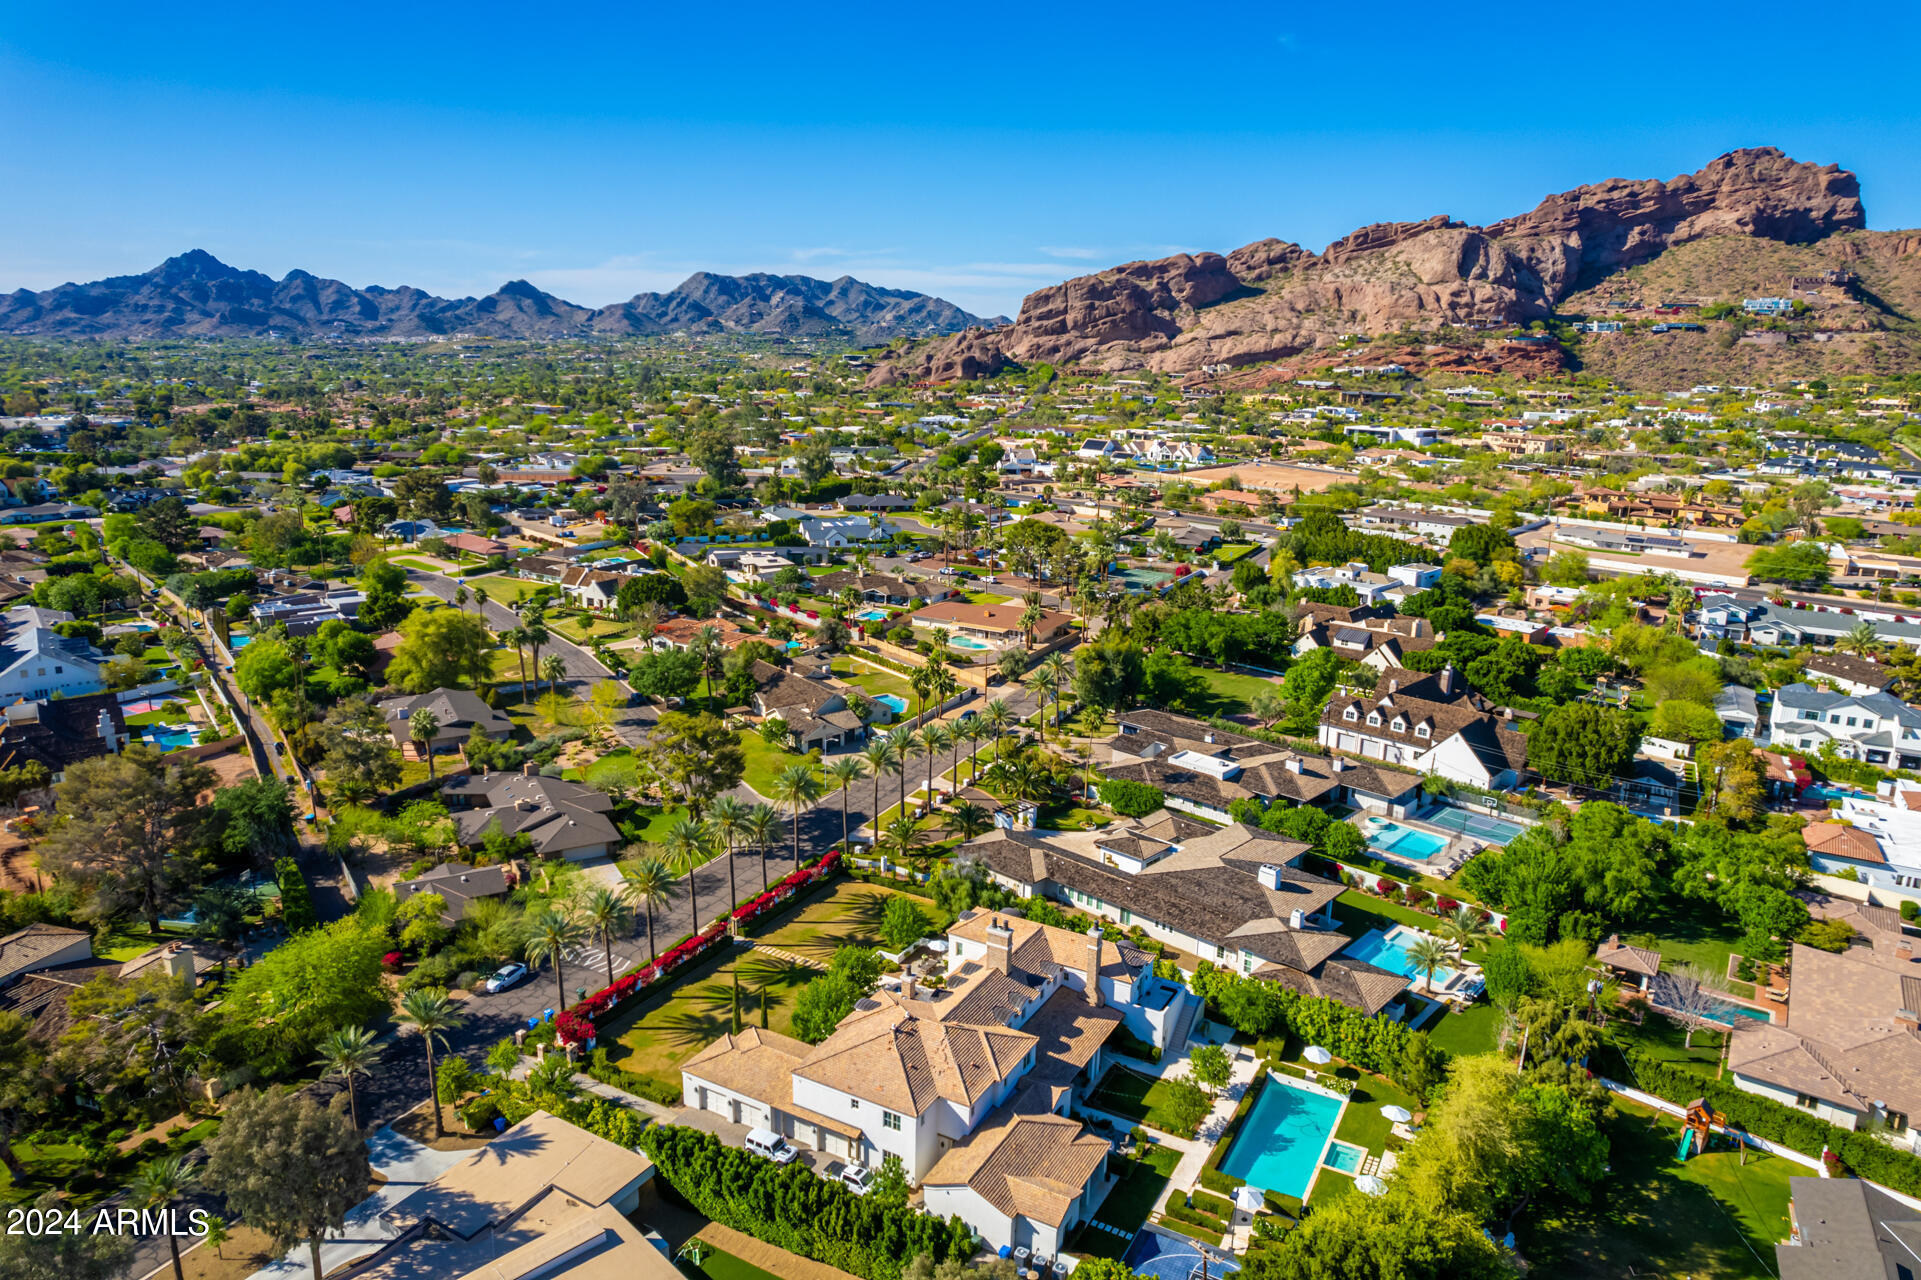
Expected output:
{"points": [[57, 1164], [725, 1266], [1664, 1040], [1712, 1218], [1232, 692], [1137, 1097], [1330, 1186], [578, 630], [656, 1038], [649, 824], [984, 597], [1074, 818], [1690, 932], [501, 589], [871, 681], [849, 916], [1362, 1123], [129, 939], [764, 762], [1468, 1031], [1143, 1184]]}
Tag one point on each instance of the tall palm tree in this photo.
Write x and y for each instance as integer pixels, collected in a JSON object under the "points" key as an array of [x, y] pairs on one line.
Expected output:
{"points": [[650, 884], [997, 716], [604, 913], [517, 637], [763, 828], [1031, 617], [460, 599], [1862, 641], [844, 772], [881, 757], [728, 815], [554, 667], [968, 820], [1054, 667], [1046, 686], [537, 635], [687, 845], [922, 682], [1428, 954], [422, 725], [798, 787], [161, 1182], [348, 1052], [975, 730], [707, 650], [551, 934], [905, 839], [904, 741], [431, 1015], [934, 739]]}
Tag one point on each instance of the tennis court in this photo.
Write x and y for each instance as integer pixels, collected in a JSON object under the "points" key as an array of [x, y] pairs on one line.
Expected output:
{"points": [[1468, 823]]}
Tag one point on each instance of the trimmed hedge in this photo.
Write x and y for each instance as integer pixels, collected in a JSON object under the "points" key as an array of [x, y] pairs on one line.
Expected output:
{"points": [[1867, 1156], [791, 1207], [1211, 1176], [1131, 799], [296, 901]]}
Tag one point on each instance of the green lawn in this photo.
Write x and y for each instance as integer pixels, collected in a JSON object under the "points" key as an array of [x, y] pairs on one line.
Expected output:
{"points": [[716, 1265], [1142, 1185], [849, 916], [1712, 1218], [872, 681], [586, 630], [1232, 692], [1468, 1031], [658, 1036], [1666, 1041], [1689, 932], [765, 762], [57, 1165], [1228, 553], [501, 589], [1362, 1123], [984, 597], [1139, 1098], [649, 823], [1073, 818]]}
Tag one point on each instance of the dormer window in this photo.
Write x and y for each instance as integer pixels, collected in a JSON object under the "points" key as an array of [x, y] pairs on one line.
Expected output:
{"points": [[1400, 725], [1350, 714], [1421, 731], [1373, 717]]}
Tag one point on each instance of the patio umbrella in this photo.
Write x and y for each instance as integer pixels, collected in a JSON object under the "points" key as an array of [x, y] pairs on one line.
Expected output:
{"points": [[1397, 1114], [1317, 1055], [1249, 1199], [1369, 1185]]}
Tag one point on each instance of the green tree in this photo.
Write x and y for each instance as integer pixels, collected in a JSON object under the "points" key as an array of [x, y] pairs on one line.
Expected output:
{"points": [[63, 1255], [348, 1052], [265, 667], [429, 1014], [384, 588], [1389, 1237], [440, 649], [698, 755], [1583, 744], [287, 1001], [126, 821], [422, 725], [1209, 1065], [798, 787], [902, 924], [288, 1167], [155, 1189], [605, 914], [1184, 1106], [356, 751], [551, 935]]}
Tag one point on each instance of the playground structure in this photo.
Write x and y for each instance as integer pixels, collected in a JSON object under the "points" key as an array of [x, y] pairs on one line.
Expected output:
{"points": [[1697, 1126]]}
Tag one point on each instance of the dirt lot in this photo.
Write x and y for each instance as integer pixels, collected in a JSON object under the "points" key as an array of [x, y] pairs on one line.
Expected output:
{"points": [[1273, 476]]}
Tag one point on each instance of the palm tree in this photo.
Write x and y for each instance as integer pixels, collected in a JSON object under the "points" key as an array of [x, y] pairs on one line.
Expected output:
{"points": [[550, 936], [881, 758], [1046, 686], [968, 820], [422, 725], [651, 884], [431, 1015], [517, 636], [797, 786], [935, 738], [844, 773], [905, 839], [728, 815], [1054, 667], [997, 716], [923, 684], [347, 1052], [762, 829], [1031, 618], [707, 650], [537, 635], [1862, 641], [1465, 926], [687, 845], [904, 741], [158, 1184], [1427, 955], [555, 669], [460, 599], [604, 913]]}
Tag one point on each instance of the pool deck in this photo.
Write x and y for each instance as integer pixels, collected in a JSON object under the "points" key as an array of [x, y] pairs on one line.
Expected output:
{"points": [[1243, 1066]]}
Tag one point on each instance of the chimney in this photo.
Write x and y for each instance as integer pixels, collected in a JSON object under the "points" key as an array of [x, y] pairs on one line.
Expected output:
{"points": [[527, 770], [1447, 679], [1293, 764], [1270, 876], [1393, 686], [1000, 946], [1296, 919], [1094, 965], [908, 987]]}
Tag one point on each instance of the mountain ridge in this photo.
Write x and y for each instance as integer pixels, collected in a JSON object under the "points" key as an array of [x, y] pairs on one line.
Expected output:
{"points": [[1273, 299], [195, 294]]}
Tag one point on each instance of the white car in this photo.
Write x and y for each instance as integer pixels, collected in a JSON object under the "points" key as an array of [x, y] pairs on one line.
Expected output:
{"points": [[764, 1142], [857, 1178], [506, 976]]}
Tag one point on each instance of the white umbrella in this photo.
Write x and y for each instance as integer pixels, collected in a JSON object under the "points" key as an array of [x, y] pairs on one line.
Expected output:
{"points": [[1250, 1199], [1369, 1185], [1397, 1114], [1317, 1055]]}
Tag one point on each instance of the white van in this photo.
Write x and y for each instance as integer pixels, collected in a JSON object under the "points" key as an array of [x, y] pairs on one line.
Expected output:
{"points": [[765, 1142]]}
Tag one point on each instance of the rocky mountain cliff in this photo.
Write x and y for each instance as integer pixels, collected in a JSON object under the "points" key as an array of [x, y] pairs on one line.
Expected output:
{"points": [[197, 295], [1273, 299]]}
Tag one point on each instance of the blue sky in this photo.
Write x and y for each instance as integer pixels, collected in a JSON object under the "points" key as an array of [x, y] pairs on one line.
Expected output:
{"points": [[976, 151]]}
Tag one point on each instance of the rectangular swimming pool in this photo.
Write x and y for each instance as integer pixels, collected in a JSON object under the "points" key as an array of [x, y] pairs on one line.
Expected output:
{"points": [[893, 702], [1280, 1143], [1390, 951], [1406, 844]]}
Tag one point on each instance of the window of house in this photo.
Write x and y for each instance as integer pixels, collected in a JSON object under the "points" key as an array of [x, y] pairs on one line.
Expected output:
{"points": [[1350, 714], [1373, 717], [1421, 731], [1810, 715], [58, 670], [853, 1104], [889, 1120], [1803, 1100], [1220, 953]]}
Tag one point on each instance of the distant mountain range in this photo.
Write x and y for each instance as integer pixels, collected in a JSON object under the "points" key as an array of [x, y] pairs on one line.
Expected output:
{"points": [[197, 295]]}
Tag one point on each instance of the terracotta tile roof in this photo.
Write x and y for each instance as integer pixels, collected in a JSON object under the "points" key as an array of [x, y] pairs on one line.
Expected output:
{"points": [[1837, 840], [1845, 1041], [887, 1055], [1034, 1165]]}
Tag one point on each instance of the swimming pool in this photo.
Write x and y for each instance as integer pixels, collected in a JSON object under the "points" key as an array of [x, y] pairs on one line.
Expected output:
{"points": [[238, 642], [1725, 1014], [1390, 951], [1165, 1256], [1408, 844], [168, 737], [893, 701], [873, 615], [966, 642], [1279, 1146]]}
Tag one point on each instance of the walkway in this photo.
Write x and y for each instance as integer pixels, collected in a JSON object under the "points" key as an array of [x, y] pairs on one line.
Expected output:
{"points": [[788, 956], [788, 1266]]}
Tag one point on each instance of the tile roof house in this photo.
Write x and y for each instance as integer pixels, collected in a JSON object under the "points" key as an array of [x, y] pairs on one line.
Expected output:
{"points": [[966, 1084], [1378, 641], [1231, 895], [1849, 674], [1876, 727], [561, 819], [996, 623], [61, 732], [881, 588], [1427, 722], [813, 706], [1850, 1049], [459, 712]]}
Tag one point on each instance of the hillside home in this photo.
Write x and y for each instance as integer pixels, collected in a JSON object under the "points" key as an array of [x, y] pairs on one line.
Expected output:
{"points": [[1431, 723]]}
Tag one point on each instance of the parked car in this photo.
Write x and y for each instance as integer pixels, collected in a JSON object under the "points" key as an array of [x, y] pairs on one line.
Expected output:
{"points": [[765, 1142], [506, 976], [857, 1178]]}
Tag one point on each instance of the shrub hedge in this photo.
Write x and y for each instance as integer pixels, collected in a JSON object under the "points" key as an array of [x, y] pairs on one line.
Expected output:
{"points": [[296, 903], [1867, 1156]]}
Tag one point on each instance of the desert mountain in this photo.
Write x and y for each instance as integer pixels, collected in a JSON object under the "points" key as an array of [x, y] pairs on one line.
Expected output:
{"points": [[197, 295], [1273, 299]]}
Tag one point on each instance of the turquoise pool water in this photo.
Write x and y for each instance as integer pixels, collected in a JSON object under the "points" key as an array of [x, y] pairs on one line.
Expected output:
{"points": [[1279, 1146], [167, 738], [873, 615], [1389, 951], [238, 642], [1726, 1014], [1344, 1157], [894, 701], [966, 642], [1409, 844]]}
